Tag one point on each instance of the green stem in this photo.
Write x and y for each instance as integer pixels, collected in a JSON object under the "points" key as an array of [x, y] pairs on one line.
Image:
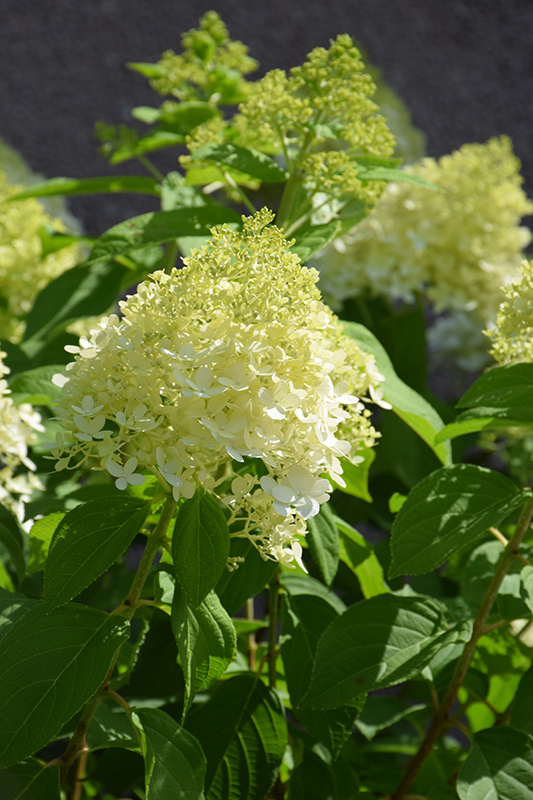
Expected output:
{"points": [[169, 259], [150, 167], [441, 717], [273, 601], [244, 197], [288, 198]]}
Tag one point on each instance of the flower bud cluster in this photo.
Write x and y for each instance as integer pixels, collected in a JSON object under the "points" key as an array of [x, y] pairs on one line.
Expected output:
{"points": [[512, 337], [459, 245], [233, 358], [17, 430]]}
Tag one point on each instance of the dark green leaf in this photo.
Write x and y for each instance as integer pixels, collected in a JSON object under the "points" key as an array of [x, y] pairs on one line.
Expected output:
{"points": [[359, 555], [35, 386], [111, 727], [206, 641], [12, 607], [479, 419], [41, 534], [87, 541], [522, 715], [311, 239], [52, 241], [376, 643], [30, 780], [234, 588], [80, 292], [174, 761], [499, 765], [12, 537], [50, 665], [243, 734], [323, 542], [355, 476], [382, 712], [244, 159], [445, 512], [158, 227], [72, 186], [526, 587], [406, 403], [200, 546]]}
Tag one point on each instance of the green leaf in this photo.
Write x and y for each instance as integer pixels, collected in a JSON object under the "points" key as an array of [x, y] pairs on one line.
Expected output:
{"points": [[306, 611], [35, 386], [522, 714], [355, 476], [146, 144], [526, 586], [50, 665], [479, 419], [111, 727], [309, 240], [41, 533], [499, 765], [174, 761], [234, 588], [251, 162], [30, 780], [243, 734], [87, 541], [52, 241], [72, 186], [396, 175], [206, 641], [323, 542], [200, 546], [157, 227], [146, 69], [382, 712], [445, 512], [13, 606], [359, 555], [83, 291], [184, 117], [405, 402], [376, 643], [12, 537]]}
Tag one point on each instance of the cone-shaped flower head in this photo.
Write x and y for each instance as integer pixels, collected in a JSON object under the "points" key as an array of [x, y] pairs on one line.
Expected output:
{"points": [[512, 337], [232, 357]]}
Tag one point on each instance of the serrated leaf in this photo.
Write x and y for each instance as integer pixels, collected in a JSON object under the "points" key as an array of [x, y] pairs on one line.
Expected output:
{"points": [[200, 546], [12, 537], [30, 780], [499, 765], [245, 159], [74, 186], [234, 588], [158, 227], [35, 386], [413, 409], [323, 542], [243, 734], [41, 534], [206, 641], [309, 240], [50, 665], [445, 512], [355, 476], [83, 291], [174, 761], [359, 555], [375, 644], [87, 541]]}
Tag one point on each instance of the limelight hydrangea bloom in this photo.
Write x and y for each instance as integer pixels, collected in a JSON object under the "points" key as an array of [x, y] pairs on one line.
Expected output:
{"points": [[459, 245], [512, 336], [233, 357], [17, 430], [23, 271]]}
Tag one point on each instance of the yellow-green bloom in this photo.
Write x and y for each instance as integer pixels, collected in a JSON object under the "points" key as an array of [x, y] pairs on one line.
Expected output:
{"points": [[512, 337], [232, 357], [458, 246]]}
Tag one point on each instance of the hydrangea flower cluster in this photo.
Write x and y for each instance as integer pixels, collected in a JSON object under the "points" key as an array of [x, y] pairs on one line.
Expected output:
{"points": [[23, 271], [211, 66], [459, 245], [319, 116], [17, 430], [232, 358], [512, 336]]}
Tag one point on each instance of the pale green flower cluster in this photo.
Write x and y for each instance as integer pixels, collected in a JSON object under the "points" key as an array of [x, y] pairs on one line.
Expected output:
{"points": [[23, 271], [459, 245], [17, 430], [233, 357], [512, 337], [211, 66]]}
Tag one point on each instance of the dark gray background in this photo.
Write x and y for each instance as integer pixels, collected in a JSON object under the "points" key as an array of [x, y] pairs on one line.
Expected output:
{"points": [[464, 67]]}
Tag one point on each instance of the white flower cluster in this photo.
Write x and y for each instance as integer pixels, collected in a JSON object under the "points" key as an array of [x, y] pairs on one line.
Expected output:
{"points": [[233, 357], [17, 427]]}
